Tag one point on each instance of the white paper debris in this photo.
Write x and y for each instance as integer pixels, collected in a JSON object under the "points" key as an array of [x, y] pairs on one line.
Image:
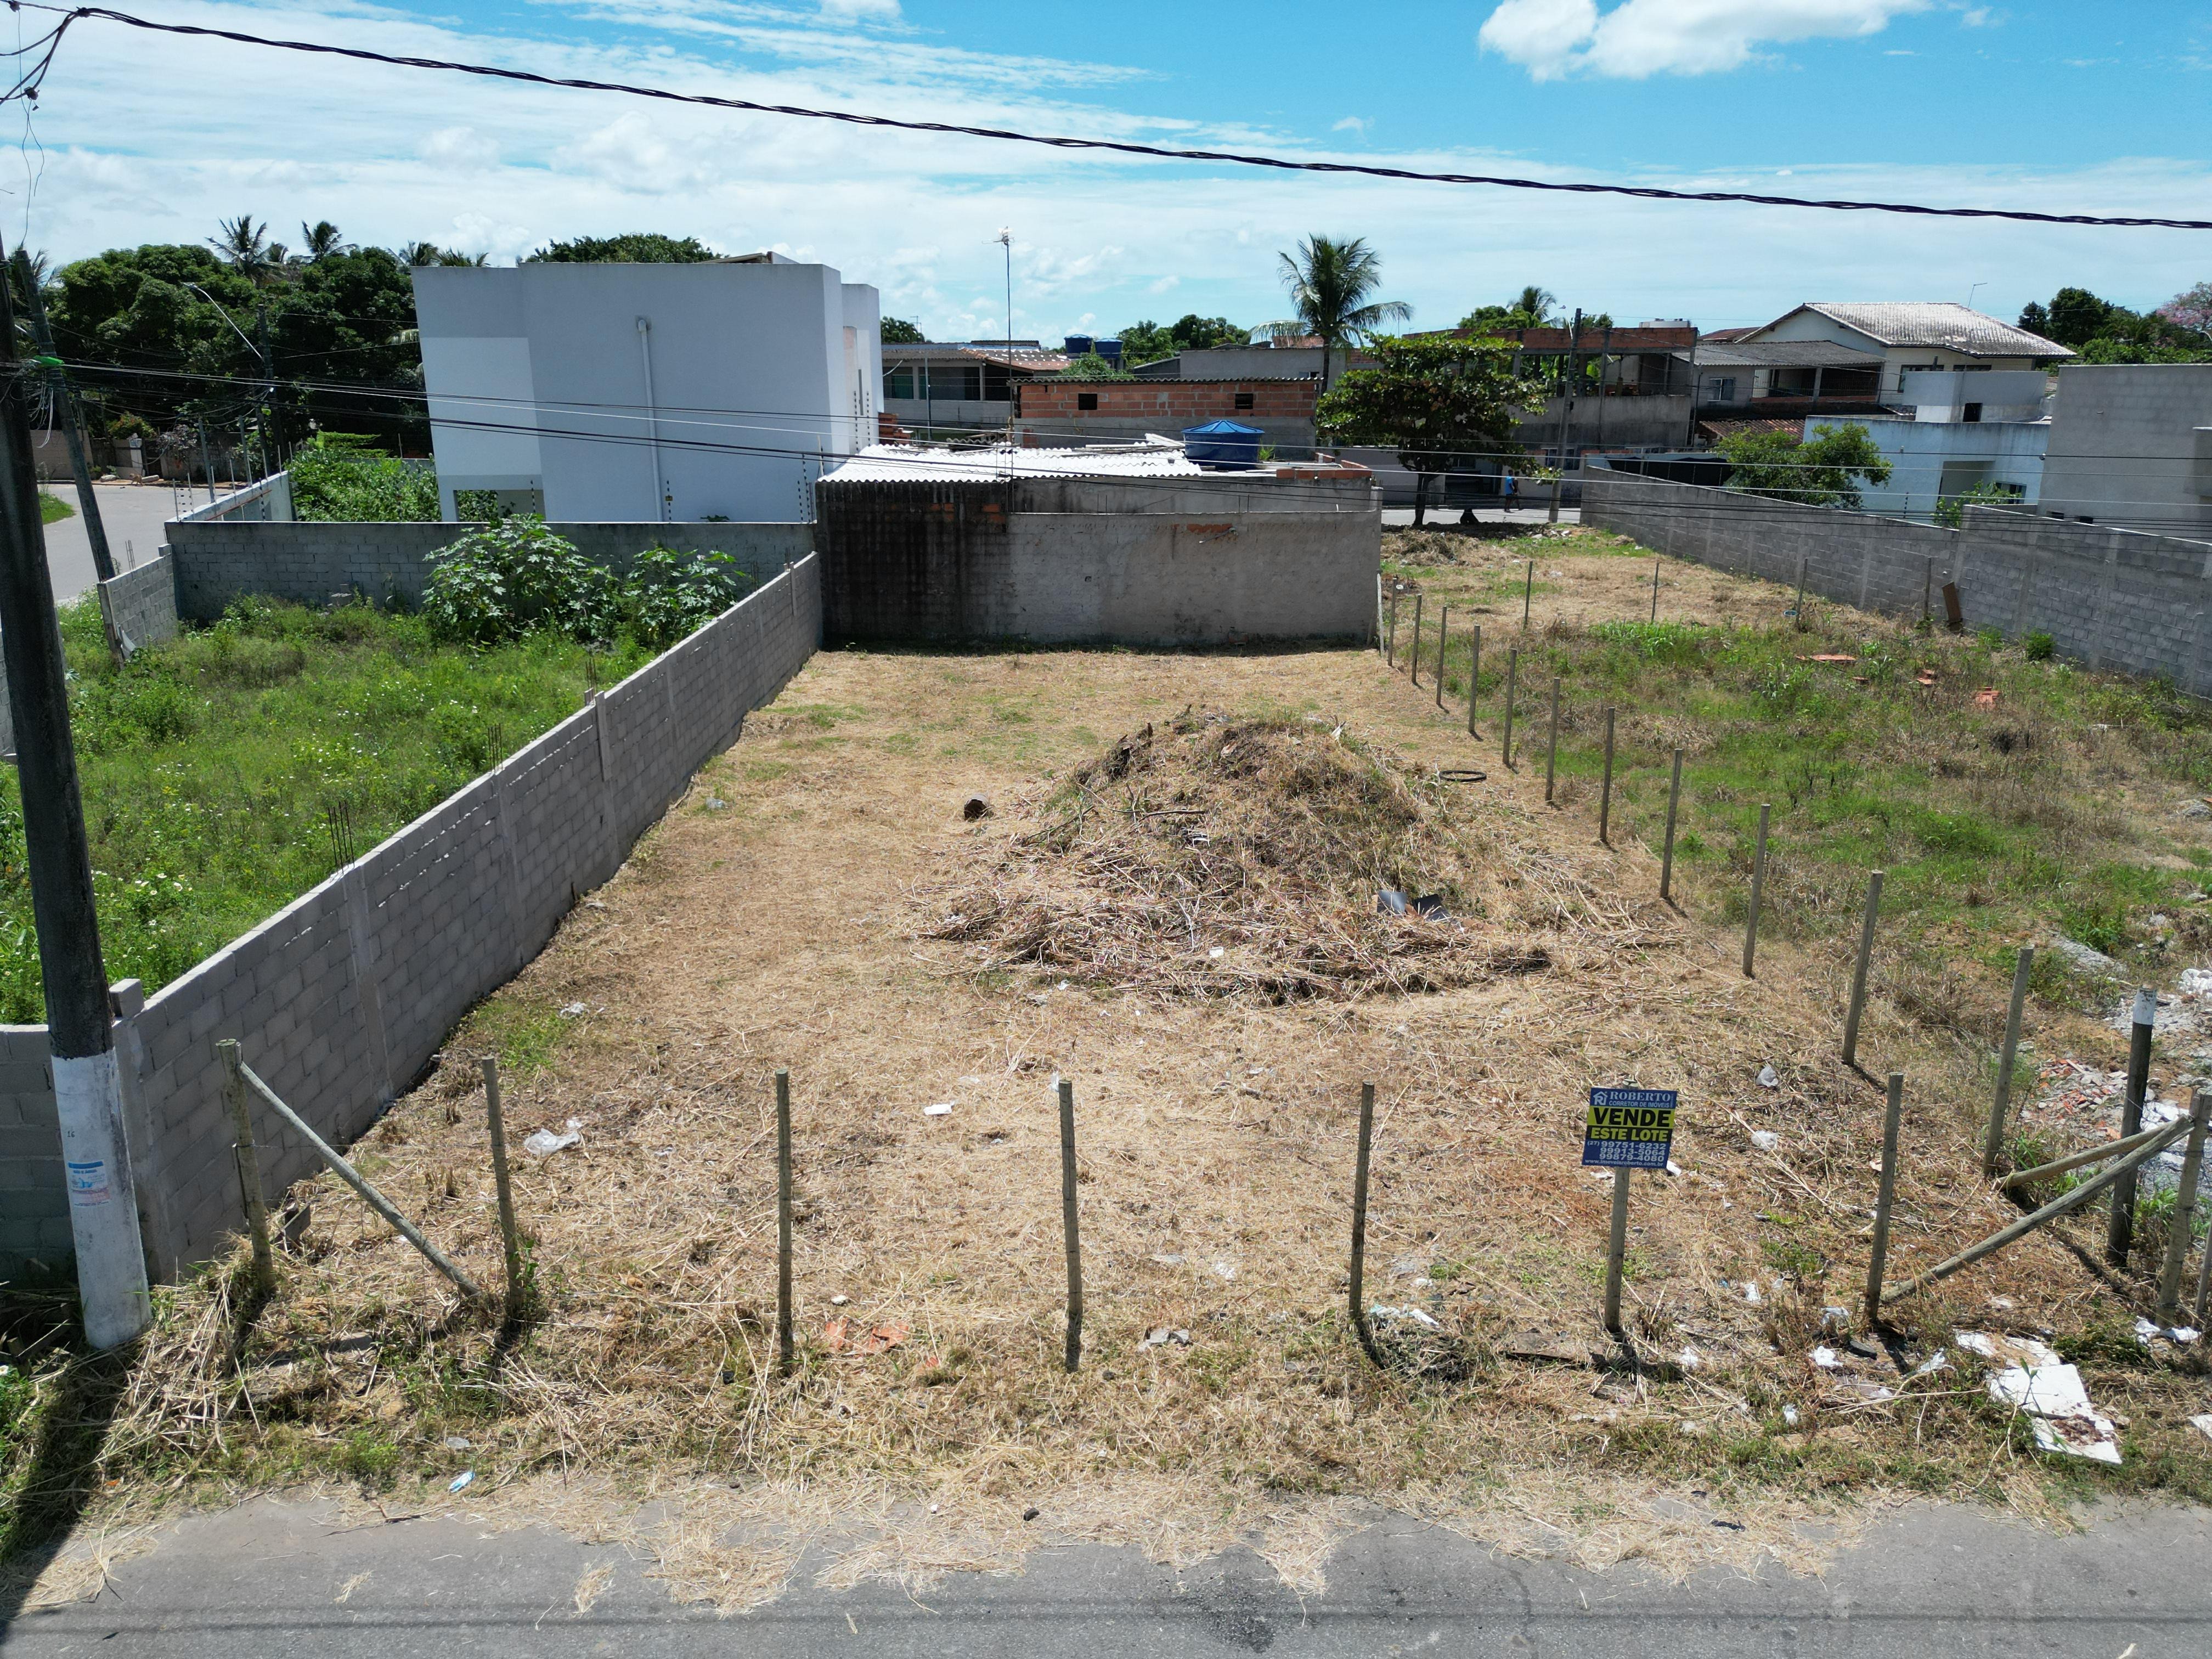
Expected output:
{"points": [[1751, 1291], [943, 1109], [1769, 1077], [1789, 1416], [2033, 1378], [1765, 1139], [545, 1143], [2196, 981], [2203, 1425], [1827, 1359], [1378, 1311], [1940, 1361], [1224, 1270], [1688, 1359]]}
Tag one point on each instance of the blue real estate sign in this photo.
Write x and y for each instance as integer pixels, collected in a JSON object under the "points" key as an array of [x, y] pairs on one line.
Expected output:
{"points": [[1629, 1130]]}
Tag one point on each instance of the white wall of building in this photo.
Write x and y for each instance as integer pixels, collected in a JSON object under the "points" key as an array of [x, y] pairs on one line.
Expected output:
{"points": [[1930, 460], [644, 391], [2131, 446], [1899, 360]]}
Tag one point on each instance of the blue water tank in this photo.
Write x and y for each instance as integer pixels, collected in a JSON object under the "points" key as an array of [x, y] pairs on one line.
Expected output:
{"points": [[1077, 346], [1110, 349], [1222, 445]]}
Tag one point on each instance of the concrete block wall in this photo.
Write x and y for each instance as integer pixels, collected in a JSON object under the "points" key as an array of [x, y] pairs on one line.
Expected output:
{"points": [[141, 604], [340, 999], [2113, 599], [306, 563]]}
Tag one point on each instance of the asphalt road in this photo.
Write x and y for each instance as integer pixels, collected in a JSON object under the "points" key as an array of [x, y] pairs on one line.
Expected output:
{"points": [[271, 1579], [134, 515], [1530, 517]]}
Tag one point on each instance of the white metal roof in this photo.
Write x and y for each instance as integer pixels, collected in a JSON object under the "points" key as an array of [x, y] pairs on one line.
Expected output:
{"points": [[1155, 458], [1943, 323]]}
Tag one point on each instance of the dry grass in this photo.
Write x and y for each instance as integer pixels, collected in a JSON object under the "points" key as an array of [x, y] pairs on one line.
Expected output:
{"points": [[1217, 1099]]}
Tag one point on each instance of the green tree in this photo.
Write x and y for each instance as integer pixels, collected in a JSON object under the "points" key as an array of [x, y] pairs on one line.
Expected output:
{"points": [[244, 246], [2078, 317], [321, 240], [1092, 367], [897, 331], [1332, 282], [2192, 310], [1951, 510], [2035, 319], [1147, 342], [1440, 403], [1822, 472], [636, 247]]}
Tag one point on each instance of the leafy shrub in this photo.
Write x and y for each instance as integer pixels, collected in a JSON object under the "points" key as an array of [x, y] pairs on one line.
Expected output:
{"points": [[670, 594], [514, 578], [340, 485], [2041, 648]]}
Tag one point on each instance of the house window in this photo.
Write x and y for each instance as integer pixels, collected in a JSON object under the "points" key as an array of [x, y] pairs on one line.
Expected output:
{"points": [[1721, 389], [1973, 413], [1244, 400], [898, 382], [1086, 400]]}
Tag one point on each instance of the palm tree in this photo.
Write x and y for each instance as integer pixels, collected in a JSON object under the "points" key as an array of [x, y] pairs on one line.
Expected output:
{"points": [[418, 253], [244, 246], [321, 240], [1535, 304], [453, 256], [1329, 283]]}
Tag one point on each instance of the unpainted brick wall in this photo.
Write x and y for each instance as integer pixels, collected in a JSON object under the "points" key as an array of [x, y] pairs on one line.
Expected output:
{"points": [[141, 604], [308, 562], [2113, 599], [341, 998]]}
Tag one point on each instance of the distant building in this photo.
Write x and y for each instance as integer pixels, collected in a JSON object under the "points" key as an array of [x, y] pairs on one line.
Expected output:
{"points": [[723, 389], [2131, 445], [1910, 335], [939, 389], [1963, 430], [1055, 412]]}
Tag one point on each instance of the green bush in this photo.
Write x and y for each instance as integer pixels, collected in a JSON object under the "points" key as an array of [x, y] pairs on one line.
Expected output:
{"points": [[508, 579], [2041, 648], [334, 484], [670, 594]]}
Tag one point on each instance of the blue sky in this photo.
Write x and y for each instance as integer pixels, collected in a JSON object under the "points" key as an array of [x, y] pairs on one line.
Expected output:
{"points": [[2072, 108]]}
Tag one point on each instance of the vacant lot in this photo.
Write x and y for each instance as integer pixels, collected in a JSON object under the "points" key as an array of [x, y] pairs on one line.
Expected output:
{"points": [[1199, 953]]}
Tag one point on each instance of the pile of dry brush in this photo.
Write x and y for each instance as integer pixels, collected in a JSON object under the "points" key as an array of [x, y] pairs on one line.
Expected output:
{"points": [[1247, 857]]}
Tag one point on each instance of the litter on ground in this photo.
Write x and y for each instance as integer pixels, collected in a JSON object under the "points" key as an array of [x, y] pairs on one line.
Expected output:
{"points": [[1769, 1077], [2032, 1377], [545, 1143]]}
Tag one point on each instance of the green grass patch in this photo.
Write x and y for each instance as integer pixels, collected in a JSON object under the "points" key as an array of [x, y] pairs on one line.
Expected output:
{"points": [[227, 771], [53, 509]]}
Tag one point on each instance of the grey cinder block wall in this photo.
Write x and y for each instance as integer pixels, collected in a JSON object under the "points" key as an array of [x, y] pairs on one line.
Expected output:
{"points": [[2113, 599], [340, 998]]}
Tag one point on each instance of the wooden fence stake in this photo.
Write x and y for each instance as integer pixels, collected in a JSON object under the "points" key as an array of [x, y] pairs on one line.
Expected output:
{"points": [[1616, 1251], [1359, 1223], [2203, 1289], [1758, 889], [1512, 669], [1605, 789], [517, 1294], [1884, 1196], [1667, 857], [786, 1348], [1378, 613], [375, 1200], [1798, 613], [1068, 1223], [1859, 970], [249, 1166], [1444, 635], [2182, 1221], [1528, 596], [1474, 677], [2119, 1235], [1655, 588], [1414, 658], [1390, 645], [1993, 1143], [1552, 752]]}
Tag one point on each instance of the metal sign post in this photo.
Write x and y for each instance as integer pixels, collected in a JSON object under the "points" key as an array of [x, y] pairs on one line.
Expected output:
{"points": [[1626, 1129]]}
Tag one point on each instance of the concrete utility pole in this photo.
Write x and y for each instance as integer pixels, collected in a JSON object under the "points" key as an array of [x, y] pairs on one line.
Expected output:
{"points": [[1566, 414], [71, 418], [111, 1263]]}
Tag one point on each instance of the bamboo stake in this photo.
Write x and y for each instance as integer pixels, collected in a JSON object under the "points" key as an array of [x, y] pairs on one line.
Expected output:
{"points": [[1655, 588], [1859, 970], [2119, 1235], [1068, 1223], [1390, 646], [2182, 1222], [1359, 1222], [1443, 633], [375, 1200], [1885, 1196], [1605, 790], [2076, 1160], [1666, 859], [1512, 669], [1528, 596], [1994, 1141], [2058, 1207], [1474, 677], [1552, 752], [249, 1166], [503, 1186], [786, 1346], [1414, 659], [1758, 888]]}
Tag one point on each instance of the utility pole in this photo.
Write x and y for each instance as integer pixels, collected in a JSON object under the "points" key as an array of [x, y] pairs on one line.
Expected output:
{"points": [[268, 380], [110, 1262], [1566, 414], [71, 418]]}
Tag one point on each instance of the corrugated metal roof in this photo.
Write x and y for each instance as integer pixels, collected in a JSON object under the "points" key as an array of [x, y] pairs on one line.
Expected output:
{"points": [[1944, 323], [1155, 458]]}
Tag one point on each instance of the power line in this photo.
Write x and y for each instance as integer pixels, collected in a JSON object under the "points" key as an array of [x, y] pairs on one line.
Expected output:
{"points": [[27, 87]]}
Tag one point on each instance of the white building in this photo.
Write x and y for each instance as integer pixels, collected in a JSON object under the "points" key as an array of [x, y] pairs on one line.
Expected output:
{"points": [[601, 392], [2131, 446], [1912, 335], [1967, 430]]}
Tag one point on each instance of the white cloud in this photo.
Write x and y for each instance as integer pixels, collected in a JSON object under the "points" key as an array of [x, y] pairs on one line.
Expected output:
{"points": [[1641, 37], [1350, 123], [851, 10], [1166, 285], [463, 147]]}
